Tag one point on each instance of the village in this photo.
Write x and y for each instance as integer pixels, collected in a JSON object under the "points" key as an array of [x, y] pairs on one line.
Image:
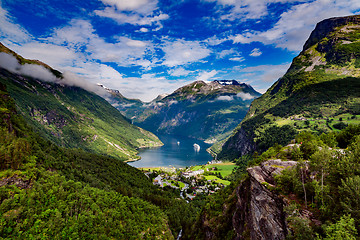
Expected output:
{"points": [[194, 180]]}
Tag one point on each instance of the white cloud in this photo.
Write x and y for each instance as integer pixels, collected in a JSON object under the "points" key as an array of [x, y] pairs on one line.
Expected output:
{"points": [[141, 6], [255, 52], [177, 72], [147, 87], [238, 59], [225, 53], [213, 41], [225, 98], [247, 9], [10, 31], [11, 64], [245, 96], [80, 34], [144, 30], [205, 76], [135, 12], [53, 55], [266, 73], [296, 24], [182, 52], [131, 18], [135, 43]]}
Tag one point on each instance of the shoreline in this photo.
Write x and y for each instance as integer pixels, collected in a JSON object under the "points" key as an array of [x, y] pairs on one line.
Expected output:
{"points": [[141, 148]]}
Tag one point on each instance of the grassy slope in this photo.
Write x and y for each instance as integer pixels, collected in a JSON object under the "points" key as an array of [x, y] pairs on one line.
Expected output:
{"points": [[73, 117], [321, 86]]}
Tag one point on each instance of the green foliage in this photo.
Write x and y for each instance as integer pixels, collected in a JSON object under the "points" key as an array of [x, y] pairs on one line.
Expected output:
{"points": [[346, 137], [275, 135], [102, 177], [349, 196], [218, 219], [56, 208], [344, 229], [300, 227], [329, 139]]}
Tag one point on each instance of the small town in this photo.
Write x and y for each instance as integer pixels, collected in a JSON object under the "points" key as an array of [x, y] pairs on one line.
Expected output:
{"points": [[194, 180]]}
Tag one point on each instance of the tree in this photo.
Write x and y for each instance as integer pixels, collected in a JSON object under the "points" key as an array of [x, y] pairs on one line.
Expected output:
{"points": [[344, 229], [350, 195], [320, 161]]}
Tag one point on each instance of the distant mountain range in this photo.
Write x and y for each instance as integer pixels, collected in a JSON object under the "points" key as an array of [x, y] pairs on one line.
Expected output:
{"points": [[203, 110]]}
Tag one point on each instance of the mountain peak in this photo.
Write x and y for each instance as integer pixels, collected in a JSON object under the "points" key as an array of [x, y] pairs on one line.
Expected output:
{"points": [[227, 82], [333, 47], [327, 26]]}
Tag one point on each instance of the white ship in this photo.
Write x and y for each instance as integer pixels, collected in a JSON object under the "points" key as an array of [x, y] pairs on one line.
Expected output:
{"points": [[196, 147]]}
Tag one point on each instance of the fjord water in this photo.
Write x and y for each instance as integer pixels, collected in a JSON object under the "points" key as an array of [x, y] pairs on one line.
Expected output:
{"points": [[176, 152]]}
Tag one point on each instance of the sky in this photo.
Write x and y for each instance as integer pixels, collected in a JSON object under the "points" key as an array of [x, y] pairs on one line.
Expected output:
{"points": [[144, 48]]}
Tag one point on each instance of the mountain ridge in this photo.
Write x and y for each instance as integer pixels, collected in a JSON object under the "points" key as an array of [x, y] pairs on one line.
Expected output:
{"points": [[73, 117], [320, 79]]}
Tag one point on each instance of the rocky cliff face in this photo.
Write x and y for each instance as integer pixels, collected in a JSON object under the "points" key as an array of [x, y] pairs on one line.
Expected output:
{"points": [[252, 211], [259, 212], [325, 27]]}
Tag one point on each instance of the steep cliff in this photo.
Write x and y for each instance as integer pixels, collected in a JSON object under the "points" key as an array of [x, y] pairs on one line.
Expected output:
{"points": [[252, 210], [260, 212], [319, 92]]}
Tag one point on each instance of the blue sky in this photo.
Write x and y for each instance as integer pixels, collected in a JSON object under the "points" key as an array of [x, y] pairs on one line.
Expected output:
{"points": [[147, 47]]}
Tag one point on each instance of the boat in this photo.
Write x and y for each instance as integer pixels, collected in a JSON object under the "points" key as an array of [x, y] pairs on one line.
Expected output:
{"points": [[196, 147]]}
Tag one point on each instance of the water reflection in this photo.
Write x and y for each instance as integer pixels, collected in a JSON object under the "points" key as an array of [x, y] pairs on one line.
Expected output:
{"points": [[177, 152]]}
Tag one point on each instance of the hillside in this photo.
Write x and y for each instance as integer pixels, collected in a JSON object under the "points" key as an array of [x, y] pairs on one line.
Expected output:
{"points": [[319, 92], [203, 110], [305, 190], [51, 192], [71, 116]]}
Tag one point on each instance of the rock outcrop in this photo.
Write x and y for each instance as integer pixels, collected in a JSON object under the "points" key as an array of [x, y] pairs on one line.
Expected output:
{"points": [[327, 26], [241, 143], [259, 212]]}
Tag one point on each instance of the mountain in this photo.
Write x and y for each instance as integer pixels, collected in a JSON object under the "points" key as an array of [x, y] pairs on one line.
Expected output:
{"points": [[68, 115], [203, 110], [319, 92], [52, 192], [305, 187]]}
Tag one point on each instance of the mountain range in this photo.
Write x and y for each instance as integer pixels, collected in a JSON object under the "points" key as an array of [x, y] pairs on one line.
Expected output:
{"points": [[203, 110], [297, 152]]}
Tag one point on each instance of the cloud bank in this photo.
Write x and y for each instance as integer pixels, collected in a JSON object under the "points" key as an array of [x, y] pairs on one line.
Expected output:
{"points": [[10, 63]]}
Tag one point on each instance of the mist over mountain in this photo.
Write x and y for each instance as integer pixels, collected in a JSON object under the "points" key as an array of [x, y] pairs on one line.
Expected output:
{"points": [[61, 108]]}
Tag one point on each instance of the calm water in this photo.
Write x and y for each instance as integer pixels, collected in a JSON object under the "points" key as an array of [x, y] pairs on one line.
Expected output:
{"points": [[177, 152]]}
